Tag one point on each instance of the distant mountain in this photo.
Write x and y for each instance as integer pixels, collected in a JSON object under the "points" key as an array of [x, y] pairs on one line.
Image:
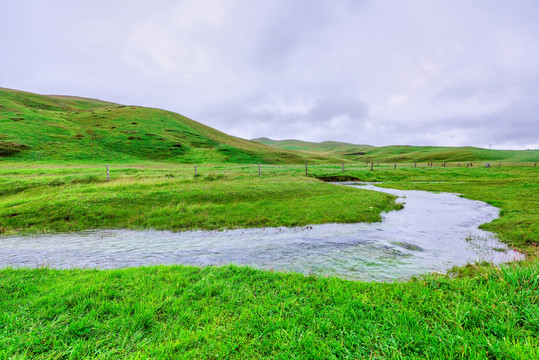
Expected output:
{"points": [[400, 153]]}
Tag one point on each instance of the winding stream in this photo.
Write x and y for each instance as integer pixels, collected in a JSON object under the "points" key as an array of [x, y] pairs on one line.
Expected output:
{"points": [[432, 233]]}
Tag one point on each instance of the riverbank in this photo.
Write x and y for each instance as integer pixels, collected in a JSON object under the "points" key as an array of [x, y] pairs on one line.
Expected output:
{"points": [[514, 190], [432, 233], [233, 312], [63, 199]]}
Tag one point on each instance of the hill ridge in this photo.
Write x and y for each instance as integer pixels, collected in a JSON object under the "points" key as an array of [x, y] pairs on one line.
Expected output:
{"points": [[70, 128], [400, 153]]}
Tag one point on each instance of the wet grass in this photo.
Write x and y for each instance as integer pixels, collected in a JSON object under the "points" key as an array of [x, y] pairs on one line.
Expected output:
{"points": [[477, 311]]}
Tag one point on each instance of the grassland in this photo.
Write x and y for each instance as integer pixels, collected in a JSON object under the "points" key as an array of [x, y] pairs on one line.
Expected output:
{"points": [[236, 312]]}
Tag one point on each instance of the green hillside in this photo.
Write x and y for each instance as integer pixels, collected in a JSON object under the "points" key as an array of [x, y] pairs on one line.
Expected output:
{"points": [[65, 128], [401, 153]]}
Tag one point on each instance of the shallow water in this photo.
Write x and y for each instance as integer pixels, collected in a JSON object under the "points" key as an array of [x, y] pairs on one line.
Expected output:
{"points": [[432, 233]]}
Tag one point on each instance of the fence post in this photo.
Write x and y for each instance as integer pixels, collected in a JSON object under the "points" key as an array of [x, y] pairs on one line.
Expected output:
{"points": [[342, 167], [444, 163], [372, 165], [395, 166], [108, 173], [499, 164], [259, 170], [534, 165], [415, 164], [306, 170], [459, 164], [195, 170]]}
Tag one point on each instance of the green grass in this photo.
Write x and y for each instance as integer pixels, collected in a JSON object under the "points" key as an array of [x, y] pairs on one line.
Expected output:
{"points": [[238, 313], [41, 199]]}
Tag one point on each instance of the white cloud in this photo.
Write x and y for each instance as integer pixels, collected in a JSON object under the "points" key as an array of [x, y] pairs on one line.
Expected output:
{"points": [[382, 72]]}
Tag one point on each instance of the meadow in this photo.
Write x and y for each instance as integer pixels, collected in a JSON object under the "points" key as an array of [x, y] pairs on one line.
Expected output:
{"points": [[477, 311], [59, 199]]}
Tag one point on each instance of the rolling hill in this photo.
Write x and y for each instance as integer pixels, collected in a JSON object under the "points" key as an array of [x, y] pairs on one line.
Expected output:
{"points": [[401, 153], [67, 128], [74, 129]]}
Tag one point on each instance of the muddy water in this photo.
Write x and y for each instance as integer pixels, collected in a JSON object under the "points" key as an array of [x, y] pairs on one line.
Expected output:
{"points": [[432, 233]]}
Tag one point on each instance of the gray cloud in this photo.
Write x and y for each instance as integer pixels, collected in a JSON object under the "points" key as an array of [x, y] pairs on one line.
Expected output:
{"points": [[380, 72]]}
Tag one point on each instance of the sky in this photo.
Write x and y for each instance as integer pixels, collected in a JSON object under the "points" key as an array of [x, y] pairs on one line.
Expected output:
{"points": [[378, 72]]}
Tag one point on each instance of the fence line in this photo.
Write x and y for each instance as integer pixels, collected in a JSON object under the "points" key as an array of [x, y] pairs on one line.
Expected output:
{"points": [[342, 166]]}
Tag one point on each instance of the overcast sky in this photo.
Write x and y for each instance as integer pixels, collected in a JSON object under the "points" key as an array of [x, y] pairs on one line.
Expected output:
{"points": [[417, 72]]}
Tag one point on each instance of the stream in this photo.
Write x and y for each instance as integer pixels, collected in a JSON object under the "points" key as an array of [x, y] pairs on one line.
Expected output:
{"points": [[434, 232]]}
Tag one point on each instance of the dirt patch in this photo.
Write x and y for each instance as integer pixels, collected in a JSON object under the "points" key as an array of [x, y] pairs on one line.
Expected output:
{"points": [[337, 178], [11, 148]]}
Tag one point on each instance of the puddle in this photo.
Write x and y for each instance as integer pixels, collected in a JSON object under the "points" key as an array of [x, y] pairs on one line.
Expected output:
{"points": [[432, 233]]}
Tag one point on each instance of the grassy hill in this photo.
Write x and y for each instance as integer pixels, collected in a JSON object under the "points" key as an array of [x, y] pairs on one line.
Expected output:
{"points": [[66, 128], [73, 129], [401, 153]]}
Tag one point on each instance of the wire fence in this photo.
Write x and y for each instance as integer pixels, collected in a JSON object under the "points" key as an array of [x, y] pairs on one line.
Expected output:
{"points": [[317, 169], [109, 172]]}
